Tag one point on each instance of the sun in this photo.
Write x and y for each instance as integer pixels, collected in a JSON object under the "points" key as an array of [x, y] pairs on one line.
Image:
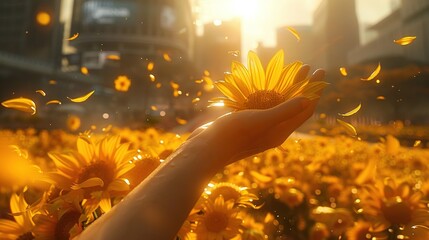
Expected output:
{"points": [[245, 8]]}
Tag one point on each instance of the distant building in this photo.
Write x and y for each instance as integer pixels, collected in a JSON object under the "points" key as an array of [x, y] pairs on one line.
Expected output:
{"points": [[218, 46], [411, 18], [265, 53], [335, 32]]}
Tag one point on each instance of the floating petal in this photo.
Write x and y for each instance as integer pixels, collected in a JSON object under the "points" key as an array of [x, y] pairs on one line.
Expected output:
{"points": [[373, 74], [417, 143], [53, 102], [152, 77], [348, 127], [154, 108], [199, 81], [260, 177], [83, 98], [381, 98], [351, 112], [21, 104], [41, 92], [343, 71], [181, 121], [166, 57], [195, 100], [52, 82], [113, 57], [76, 35], [234, 53], [84, 70], [405, 40], [294, 32], [150, 66]]}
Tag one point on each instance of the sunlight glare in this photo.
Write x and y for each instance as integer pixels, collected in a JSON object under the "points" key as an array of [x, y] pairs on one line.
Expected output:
{"points": [[245, 8]]}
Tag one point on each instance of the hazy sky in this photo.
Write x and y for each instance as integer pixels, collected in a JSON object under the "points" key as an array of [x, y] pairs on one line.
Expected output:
{"points": [[261, 18]]}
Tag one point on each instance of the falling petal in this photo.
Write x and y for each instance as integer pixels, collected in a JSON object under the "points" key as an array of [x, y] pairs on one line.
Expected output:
{"points": [[348, 127], [260, 177], [21, 104], [73, 37], [381, 98], [83, 98], [199, 81], [158, 85], [294, 32], [152, 77], [154, 108], [234, 53], [174, 85], [373, 74], [181, 121], [405, 40], [166, 57], [343, 71], [351, 112], [199, 93], [52, 82], [113, 57], [84, 70], [195, 100], [53, 102], [417, 143], [107, 129], [41, 92], [150, 66]]}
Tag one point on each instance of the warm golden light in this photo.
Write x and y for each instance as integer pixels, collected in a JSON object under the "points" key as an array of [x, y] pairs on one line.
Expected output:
{"points": [[245, 8], [43, 18]]}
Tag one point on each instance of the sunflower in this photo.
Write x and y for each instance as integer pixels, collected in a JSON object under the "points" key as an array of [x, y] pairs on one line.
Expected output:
{"points": [[253, 88], [95, 171], [230, 191], [122, 83], [23, 225], [362, 231], [390, 204], [60, 220], [219, 221]]}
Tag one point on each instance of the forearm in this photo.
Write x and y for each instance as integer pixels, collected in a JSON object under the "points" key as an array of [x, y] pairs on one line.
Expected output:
{"points": [[157, 208]]}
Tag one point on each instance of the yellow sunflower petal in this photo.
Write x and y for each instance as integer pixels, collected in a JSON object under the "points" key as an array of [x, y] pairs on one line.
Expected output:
{"points": [[10, 227], [288, 76], [343, 71], [83, 98], [405, 40], [242, 77], [230, 91], [17, 206], [92, 182], [294, 32], [274, 70], [85, 148], [105, 203], [295, 90], [350, 128], [41, 92], [53, 102], [21, 104], [351, 112], [260, 177], [256, 71], [119, 185], [373, 74]]}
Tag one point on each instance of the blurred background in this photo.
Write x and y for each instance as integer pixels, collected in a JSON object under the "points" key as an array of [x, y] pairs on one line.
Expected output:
{"points": [[169, 52]]}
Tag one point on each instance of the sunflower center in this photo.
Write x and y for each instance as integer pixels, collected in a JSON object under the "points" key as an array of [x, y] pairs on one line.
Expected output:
{"points": [[26, 236], [100, 169], [65, 223], [263, 99], [216, 221], [396, 211]]}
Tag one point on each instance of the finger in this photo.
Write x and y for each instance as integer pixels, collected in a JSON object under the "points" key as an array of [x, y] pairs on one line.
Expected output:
{"points": [[283, 111], [199, 130], [286, 128], [302, 73]]}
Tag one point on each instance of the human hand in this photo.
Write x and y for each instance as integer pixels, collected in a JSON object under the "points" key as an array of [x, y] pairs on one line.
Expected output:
{"points": [[240, 134]]}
